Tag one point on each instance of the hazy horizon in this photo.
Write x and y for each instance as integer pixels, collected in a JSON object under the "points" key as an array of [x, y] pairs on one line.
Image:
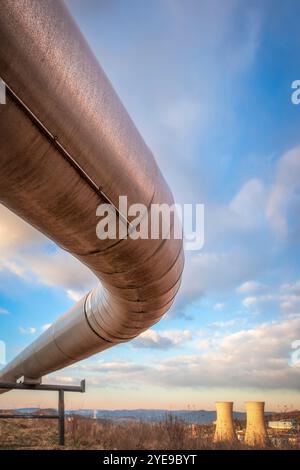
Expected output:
{"points": [[208, 85]]}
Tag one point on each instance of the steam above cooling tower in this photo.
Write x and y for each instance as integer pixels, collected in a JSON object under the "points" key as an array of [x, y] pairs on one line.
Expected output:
{"points": [[256, 432], [67, 145], [224, 427]]}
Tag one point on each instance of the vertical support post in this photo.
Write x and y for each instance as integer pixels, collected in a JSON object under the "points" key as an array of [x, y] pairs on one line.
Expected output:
{"points": [[61, 414]]}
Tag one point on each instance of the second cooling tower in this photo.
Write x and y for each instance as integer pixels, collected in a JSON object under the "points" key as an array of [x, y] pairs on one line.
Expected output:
{"points": [[256, 432]]}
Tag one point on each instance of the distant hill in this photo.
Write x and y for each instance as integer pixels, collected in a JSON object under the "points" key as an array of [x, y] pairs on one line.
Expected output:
{"points": [[200, 416], [35, 410], [195, 416]]}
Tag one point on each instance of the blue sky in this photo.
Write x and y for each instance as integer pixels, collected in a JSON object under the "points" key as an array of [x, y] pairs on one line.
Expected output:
{"points": [[208, 84]]}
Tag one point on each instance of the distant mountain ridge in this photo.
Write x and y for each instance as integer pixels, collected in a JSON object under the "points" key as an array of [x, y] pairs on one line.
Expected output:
{"points": [[190, 416]]}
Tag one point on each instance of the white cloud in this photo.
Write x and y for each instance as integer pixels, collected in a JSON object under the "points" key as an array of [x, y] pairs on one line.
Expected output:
{"points": [[161, 339], [109, 373], [292, 288], [60, 269], [182, 116], [216, 271], [25, 253], [63, 379], [286, 298], [30, 330], [46, 326], [4, 311], [253, 300], [224, 324], [258, 357], [219, 306], [243, 215], [250, 286], [248, 204], [15, 234], [203, 344], [235, 248], [283, 205]]}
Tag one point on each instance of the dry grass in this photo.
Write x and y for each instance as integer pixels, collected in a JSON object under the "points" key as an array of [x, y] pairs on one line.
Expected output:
{"points": [[86, 433], [25, 433]]}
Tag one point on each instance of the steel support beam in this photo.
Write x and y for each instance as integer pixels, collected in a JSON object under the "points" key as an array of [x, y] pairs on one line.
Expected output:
{"points": [[60, 416]]}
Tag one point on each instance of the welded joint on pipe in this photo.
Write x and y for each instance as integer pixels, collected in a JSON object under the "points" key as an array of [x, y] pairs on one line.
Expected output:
{"points": [[86, 314]]}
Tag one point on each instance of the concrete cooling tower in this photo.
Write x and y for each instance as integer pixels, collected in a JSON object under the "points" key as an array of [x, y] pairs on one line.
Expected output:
{"points": [[256, 432], [224, 427]]}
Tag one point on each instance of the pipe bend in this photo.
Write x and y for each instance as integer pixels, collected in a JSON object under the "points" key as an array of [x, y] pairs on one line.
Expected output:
{"points": [[67, 144]]}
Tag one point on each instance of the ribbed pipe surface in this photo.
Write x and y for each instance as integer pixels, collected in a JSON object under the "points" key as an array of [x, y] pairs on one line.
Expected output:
{"points": [[67, 145]]}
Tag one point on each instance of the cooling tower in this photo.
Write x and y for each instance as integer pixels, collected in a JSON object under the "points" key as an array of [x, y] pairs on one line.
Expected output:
{"points": [[256, 432], [224, 427]]}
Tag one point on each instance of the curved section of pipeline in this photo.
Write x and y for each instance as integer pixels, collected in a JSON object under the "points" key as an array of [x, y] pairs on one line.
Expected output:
{"points": [[67, 145]]}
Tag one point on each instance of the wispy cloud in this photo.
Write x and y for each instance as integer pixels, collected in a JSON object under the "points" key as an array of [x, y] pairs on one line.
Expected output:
{"points": [[285, 297], [283, 206], [250, 286], [30, 330], [219, 306], [251, 358], [30, 256], [161, 339], [4, 311], [224, 324]]}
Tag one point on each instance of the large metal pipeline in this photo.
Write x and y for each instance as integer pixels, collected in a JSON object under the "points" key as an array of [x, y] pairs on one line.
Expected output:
{"points": [[67, 145]]}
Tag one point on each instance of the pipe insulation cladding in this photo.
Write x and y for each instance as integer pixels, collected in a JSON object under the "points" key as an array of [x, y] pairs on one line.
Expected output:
{"points": [[67, 145]]}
